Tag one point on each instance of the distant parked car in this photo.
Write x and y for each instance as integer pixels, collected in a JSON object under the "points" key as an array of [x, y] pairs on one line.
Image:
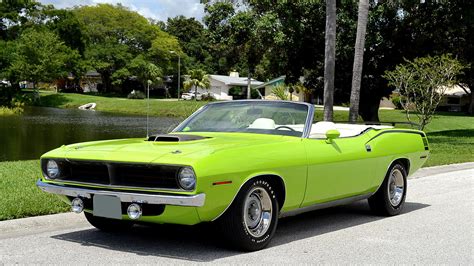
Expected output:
{"points": [[191, 96]]}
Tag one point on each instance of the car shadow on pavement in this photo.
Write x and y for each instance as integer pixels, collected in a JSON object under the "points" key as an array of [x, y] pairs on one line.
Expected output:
{"points": [[201, 243]]}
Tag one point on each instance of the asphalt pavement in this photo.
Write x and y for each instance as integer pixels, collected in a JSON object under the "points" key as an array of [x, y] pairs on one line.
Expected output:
{"points": [[436, 227]]}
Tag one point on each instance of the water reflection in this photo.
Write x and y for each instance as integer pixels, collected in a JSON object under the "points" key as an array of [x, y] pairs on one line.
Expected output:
{"points": [[41, 129]]}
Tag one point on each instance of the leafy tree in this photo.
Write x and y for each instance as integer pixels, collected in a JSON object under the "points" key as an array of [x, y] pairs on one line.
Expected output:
{"points": [[423, 82], [15, 16], [160, 51], [67, 26], [197, 78], [148, 73], [40, 56], [193, 39], [114, 36], [219, 33]]}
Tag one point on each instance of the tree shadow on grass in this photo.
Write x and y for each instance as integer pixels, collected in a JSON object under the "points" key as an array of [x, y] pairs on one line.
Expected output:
{"points": [[453, 133], [53, 100], [201, 243]]}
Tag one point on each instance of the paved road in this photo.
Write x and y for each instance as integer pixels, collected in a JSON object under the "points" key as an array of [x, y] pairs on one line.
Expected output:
{"points": [[436, 227]]}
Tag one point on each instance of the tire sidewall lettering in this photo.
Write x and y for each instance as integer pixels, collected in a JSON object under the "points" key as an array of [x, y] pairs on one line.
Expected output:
{"points": [[265, 185]]}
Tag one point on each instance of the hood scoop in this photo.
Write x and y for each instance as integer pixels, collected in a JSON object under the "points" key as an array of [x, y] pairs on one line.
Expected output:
{"points": [[174, 138]]}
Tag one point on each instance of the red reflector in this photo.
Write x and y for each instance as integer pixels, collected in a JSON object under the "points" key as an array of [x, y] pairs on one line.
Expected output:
{"points": [[221, 183]]}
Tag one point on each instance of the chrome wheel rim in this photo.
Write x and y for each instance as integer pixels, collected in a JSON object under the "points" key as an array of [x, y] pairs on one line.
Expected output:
{"points": [[257, 212], [396, 187]]}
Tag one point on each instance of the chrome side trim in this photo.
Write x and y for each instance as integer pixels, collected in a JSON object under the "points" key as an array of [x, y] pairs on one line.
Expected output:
{"points": [[177, 200], [324, 205], [309, 121], [147, 189]]}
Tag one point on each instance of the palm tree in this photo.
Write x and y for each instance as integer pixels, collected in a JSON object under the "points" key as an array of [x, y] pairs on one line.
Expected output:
{"points": [[197, 78], [358, 59], [329, 59]]}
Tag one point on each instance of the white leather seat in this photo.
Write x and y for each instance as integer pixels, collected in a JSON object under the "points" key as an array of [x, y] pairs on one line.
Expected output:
{"points": [[319, 129], [263, 123]]}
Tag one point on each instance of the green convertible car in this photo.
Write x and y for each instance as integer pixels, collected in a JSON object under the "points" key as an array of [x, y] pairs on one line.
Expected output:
{"points": [[240, 164]]}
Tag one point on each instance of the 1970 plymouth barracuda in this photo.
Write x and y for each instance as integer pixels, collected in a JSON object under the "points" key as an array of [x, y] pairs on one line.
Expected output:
{"points": [[240, 164]]}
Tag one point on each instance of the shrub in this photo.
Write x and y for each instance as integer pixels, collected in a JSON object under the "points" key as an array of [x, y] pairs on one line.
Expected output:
{"points": [[397, 101], [423, 82], [236, 92], [208, 97], [136, 95], [17, 110], [280, 92]]}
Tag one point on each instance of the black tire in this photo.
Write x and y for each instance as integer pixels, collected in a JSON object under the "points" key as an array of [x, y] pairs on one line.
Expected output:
{"points": [[232, 223], [106, 224], [380, 202]]}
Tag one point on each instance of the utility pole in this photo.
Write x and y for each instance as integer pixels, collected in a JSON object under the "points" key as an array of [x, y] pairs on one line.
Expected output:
{"points": [[249, 80]]}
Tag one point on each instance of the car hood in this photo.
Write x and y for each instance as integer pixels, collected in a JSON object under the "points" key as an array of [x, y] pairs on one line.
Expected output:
{"points": [[144, 151]]}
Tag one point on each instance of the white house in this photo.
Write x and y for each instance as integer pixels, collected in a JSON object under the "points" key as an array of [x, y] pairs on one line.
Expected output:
{"points": [[221, 84], [267, 90]]}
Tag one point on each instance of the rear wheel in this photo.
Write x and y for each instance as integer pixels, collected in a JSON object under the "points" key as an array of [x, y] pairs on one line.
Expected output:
{"points": [[250, 222], [106, 224], [390, 198]]}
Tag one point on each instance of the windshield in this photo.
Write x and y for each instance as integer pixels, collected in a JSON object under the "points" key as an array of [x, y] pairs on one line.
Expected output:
{"points": [[265, 117]]}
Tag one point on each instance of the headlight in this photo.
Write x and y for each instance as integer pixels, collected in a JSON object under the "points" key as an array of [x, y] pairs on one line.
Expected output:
{"points": [[187, 178], [52, 169]]}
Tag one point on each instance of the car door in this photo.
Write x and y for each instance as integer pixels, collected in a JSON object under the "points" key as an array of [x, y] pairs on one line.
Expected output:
{"points": [[336, 170]]}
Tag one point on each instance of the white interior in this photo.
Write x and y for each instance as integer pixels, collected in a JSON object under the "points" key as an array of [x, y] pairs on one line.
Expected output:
{"points": [[319, 129]]}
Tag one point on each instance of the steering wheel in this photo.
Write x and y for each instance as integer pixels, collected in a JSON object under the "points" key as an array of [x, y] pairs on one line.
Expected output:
{"points": [[278, 127]]}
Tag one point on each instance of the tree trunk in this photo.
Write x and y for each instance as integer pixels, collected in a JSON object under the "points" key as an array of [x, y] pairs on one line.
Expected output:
{"points": [[470, 109], [471, 102], [358, 59], [195, 92], [329, 59], [105, 76], [249, 94], [369, 109]]}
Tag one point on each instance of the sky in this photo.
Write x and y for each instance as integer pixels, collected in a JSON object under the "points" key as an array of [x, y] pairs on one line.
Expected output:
{"points": [[155, 9]]}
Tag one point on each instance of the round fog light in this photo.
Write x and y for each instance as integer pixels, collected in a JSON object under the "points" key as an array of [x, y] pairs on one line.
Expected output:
{"points": [[134, 211], [77, 205]]}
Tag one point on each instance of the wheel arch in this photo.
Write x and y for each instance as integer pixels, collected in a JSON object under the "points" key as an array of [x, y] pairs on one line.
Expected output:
{"points": [[275, 180], [405, 162]]}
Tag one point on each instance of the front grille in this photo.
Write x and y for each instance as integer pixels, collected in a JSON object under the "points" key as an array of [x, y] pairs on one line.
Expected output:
{"points": [[88, 172], [119, 174], [146, 176]]}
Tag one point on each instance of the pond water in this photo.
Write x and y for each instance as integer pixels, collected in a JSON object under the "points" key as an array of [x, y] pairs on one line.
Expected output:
{"points": [[41, 129]]}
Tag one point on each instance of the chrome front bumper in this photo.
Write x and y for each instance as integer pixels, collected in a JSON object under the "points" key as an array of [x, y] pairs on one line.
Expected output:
{"points": [[177, 200]]}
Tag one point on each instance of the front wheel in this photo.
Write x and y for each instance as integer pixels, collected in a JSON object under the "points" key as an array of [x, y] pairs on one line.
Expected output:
{"points": [[250, 222], [390, 198], [106, 224]]}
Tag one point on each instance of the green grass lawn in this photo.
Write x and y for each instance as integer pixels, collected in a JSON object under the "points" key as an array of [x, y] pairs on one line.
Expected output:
{"points": [[19, 195], [158, 107]]}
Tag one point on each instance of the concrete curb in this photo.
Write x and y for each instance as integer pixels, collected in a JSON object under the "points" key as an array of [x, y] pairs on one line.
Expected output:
{"points": [[39, 224], [440, 169]]}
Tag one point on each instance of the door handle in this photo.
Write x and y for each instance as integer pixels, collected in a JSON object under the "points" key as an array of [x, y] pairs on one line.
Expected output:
{"points": [[368, 148]]}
